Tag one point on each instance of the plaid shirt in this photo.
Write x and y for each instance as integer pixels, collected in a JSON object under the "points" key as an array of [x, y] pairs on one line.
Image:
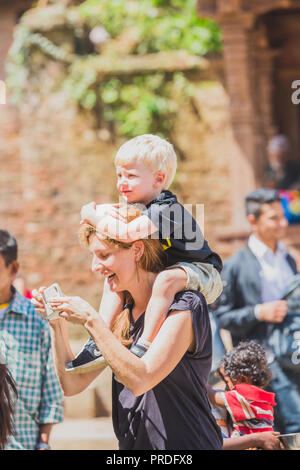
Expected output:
{"points": [[25, 344]]}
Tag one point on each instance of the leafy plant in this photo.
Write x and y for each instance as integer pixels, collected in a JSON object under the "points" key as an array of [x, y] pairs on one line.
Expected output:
{"points": [[135, 103]]}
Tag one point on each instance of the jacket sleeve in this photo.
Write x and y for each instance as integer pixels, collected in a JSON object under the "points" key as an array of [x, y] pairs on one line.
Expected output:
{"points": [[239, 320]]}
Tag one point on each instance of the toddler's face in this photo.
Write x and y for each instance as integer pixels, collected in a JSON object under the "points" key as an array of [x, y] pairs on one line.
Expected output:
{"points": [[136, 182]]}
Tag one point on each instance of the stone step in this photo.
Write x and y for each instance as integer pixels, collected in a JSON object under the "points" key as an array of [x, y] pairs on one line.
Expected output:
{"points": [[81, 434]]}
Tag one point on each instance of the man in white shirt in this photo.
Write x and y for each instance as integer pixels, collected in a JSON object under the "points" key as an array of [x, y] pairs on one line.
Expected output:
{"points": [[254, 282], [275, 270]]}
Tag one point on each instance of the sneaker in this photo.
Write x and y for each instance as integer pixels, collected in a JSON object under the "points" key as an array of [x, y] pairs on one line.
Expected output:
{"points": [[138, 349], [89, 358]]}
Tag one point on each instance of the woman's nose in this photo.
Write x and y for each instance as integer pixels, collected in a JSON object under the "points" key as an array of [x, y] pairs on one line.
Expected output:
{"points": [[97, 266]]}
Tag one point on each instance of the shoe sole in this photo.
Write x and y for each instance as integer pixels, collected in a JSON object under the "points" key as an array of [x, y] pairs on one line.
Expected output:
{"points": [[95, 365]]}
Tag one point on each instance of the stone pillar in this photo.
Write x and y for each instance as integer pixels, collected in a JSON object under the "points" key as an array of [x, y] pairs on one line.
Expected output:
{"points": [[7, 23], [263, 60], [239, 75], [10, 179]]}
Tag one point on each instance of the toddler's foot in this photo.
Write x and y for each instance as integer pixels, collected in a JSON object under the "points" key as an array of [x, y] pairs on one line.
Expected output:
{"points": [[89, 358]]}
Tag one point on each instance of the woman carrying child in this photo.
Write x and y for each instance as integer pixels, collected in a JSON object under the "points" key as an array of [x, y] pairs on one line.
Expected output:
{"points": [[145, 168], [159, 400]]}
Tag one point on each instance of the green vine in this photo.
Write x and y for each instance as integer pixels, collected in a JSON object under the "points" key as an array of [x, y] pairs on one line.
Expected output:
{"points": [[131, 103]]}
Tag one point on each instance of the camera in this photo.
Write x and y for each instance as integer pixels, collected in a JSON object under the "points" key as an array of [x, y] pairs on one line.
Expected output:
{"points": [[53, 291]]}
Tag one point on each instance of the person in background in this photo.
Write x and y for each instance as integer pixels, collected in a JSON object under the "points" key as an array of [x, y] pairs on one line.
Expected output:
{"points": [[25, 345], [255, 279], [245, 372], [281, 172], [8, 394]]}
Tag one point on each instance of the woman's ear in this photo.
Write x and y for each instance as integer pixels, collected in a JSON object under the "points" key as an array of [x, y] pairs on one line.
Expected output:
{"points": [[138, 249]]}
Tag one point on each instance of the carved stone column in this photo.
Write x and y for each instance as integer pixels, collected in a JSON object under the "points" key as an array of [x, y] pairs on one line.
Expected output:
{"points": [[239, 76], [248, 71], [263, 63]]}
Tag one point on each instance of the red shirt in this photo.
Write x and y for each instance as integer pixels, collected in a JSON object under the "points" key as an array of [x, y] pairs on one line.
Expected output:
{"points": [[250, 408]]}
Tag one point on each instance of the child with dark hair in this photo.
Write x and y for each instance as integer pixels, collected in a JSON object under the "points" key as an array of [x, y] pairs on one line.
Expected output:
{"points": [[8, 392], [245, 371], [25, 343]]}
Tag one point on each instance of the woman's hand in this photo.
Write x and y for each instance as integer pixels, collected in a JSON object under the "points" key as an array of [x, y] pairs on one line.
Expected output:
{"points": [[37, 301], [73, 309]]}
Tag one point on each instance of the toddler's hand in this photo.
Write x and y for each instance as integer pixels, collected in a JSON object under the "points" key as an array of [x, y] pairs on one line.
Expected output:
{"points": [[88, 213], [115, 212]]}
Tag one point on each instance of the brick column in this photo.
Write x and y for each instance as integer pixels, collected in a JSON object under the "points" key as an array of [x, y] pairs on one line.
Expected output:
{"points": [[11, 214], [7, 23], [239, 76], [263, 64]]}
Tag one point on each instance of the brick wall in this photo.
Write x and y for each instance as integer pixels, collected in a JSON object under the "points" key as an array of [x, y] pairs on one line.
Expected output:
{"points": [[57, 162], [54, 160]]}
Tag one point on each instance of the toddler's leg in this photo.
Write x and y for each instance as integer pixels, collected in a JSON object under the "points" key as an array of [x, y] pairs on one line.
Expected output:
{"points": [[205, 278], [166, 285]]}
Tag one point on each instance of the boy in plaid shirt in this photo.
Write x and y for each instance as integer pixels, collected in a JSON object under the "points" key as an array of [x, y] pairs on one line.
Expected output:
{"points": [[25, 346]]}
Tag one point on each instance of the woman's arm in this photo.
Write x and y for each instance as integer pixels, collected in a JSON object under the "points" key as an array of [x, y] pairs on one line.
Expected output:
{"points": [[71, 384], [174, 338], [62, 353]]}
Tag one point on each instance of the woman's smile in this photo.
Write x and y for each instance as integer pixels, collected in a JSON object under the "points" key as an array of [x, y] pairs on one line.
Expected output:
{"points": [[111, 278]]}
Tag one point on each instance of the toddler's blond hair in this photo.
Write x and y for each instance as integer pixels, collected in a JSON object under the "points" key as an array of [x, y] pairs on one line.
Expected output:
{"points": [[153, 151]]}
